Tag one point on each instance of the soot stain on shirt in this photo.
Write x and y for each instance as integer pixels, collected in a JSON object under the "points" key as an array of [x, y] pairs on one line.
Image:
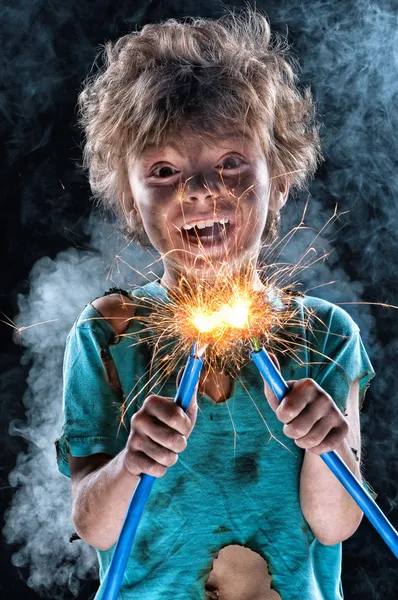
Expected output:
{"points": [[246, 467], [164, 501], [221, 529], [143, 548]]}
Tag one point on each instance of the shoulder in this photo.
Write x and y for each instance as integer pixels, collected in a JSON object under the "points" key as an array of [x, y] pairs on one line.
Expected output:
{"points": [[323, 314], [116, 309]]}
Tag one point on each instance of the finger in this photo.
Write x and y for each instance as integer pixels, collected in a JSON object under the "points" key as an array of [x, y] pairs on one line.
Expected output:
{"points": [[334, 438], [304, 422], [138, 463], [161, 433], [317, 434], [158, 453], [167, 411], [301, 393]]}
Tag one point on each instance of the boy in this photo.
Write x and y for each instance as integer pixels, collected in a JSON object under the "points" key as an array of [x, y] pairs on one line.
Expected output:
{"points": [[214, 107]]}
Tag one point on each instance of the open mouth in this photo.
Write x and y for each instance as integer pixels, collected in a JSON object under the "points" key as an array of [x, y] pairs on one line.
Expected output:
{"points": [[207, 233]]}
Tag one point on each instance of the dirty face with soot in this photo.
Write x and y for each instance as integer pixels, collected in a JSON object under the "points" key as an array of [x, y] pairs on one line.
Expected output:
{"points": [[204, 207]]}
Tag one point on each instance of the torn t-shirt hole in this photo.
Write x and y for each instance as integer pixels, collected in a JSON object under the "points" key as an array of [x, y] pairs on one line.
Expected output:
{"points": [[239, 573], [355, 453], [110, 369]]}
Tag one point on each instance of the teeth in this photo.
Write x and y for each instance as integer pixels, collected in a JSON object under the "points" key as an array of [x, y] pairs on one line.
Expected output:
{"points": [[203, 224]]}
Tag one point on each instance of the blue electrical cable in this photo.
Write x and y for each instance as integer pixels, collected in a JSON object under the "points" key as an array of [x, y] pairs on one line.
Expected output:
{"points": [[114, 575]]}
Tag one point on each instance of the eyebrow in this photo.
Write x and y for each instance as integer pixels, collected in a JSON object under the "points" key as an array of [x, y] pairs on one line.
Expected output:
{"points": [[235, 136]]}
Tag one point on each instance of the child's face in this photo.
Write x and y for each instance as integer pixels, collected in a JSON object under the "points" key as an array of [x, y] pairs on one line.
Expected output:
{"points": [[182, 185]]}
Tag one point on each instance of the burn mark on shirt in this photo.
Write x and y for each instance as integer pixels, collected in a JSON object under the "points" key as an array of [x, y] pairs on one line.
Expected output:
{"points": [[143, 548], [165, 500]]}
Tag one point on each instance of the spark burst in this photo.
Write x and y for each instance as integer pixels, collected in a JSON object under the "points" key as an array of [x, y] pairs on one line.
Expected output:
{"points": [[223, 316]]}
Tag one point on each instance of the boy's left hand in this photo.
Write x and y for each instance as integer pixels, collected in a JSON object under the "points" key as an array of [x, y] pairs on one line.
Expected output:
{"points": [[311, 417]]}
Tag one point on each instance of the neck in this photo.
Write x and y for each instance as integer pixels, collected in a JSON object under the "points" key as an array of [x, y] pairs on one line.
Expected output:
{"points": [[172, 279]]}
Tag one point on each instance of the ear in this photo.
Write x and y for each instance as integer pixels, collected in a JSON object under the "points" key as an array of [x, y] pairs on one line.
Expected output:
{"points": [[130, 212], [278, 196]]}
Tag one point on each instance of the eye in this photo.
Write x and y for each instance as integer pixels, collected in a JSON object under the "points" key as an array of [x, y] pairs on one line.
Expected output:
{"points": [[164, 168], [227, 160]]}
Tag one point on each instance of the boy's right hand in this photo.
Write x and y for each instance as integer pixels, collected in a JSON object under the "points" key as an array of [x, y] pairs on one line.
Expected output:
{"points": [[159, 431]]}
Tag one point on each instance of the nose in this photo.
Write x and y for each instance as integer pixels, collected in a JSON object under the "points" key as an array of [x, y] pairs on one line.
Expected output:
{"points": [[202, 188]]}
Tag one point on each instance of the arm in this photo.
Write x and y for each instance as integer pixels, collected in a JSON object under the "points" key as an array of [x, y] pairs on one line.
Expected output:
{"points": [[331, 513], [101, 491], [102, 486], [316, 424]]}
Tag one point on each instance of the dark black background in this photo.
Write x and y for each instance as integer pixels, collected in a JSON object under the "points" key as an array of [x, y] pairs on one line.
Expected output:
{"points": [[347, 52]]}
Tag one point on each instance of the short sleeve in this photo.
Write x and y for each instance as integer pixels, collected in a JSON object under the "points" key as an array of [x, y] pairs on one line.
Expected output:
{"points": [[91, 404], [338, 356]]}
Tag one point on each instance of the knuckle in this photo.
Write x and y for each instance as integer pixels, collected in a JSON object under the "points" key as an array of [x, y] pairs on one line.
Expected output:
{"points": [[160, 454], [135, 419], [171, 441], [298, 431], [324, 402], [285, 413], [148, 402], [139, 418], [157, 470], [172, 459], [154, 468], [345, 428], [136, 442], [166, 457], [287, 430], [313, 440], [179, 420], [178, 442], [175, 421], [160, 470], [307, 384]]}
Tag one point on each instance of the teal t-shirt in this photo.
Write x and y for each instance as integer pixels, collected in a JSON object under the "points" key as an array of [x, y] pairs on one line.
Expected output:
{"points": [[236, 483]]}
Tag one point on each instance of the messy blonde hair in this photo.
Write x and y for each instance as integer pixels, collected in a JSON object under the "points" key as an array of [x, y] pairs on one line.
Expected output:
{"points": [[205, 75]]}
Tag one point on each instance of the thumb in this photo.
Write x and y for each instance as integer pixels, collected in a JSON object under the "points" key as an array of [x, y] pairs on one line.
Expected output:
{"points": [[269, 394], [192, 411]]}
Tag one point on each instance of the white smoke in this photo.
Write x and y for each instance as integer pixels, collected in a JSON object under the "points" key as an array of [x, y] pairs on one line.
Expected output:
{"points": [[40, 515]]}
